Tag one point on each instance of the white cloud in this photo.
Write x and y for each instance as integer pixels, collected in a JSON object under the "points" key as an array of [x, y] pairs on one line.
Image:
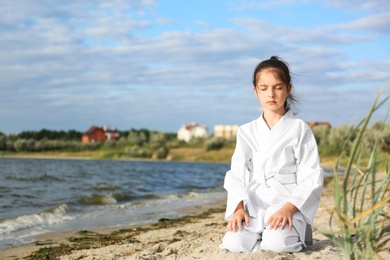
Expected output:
{"points": [[79, 63], [375, 23], [364, 5], [250, 4]]}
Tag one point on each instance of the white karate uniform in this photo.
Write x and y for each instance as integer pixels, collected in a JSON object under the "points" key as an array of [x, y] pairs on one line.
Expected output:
{"points": [[270, 167]]}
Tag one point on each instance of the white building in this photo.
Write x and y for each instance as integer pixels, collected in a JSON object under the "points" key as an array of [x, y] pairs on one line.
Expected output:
{"points": [[193, 130], [225, 131]]}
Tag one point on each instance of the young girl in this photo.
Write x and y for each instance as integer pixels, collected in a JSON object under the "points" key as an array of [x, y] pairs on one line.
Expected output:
{"points": [[275, 181]]}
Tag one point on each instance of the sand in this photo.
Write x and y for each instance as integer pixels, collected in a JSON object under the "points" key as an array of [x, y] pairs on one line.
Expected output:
{"points": [[198, 238]]}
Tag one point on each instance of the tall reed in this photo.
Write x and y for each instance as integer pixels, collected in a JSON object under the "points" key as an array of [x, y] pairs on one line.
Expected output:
{"points": [[360, 222]]}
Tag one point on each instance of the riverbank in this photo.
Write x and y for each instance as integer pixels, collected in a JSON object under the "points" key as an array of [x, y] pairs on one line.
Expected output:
{"points": [[181, 154]]}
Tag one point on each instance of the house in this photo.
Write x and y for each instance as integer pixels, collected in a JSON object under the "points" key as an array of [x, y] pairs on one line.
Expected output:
{"points": [[192, 130], [98, 134], [225, 131], [111, 133]]}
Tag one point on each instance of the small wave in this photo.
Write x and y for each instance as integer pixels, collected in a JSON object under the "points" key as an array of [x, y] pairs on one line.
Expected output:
{"points": [[172, 201], [106, 187], [16, 178], [149, 197], [98, 199], [48, 177], [188, 195], [49, 217], [43, 177]]}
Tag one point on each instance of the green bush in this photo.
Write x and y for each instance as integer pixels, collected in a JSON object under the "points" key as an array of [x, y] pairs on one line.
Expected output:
{"points": [[138, 138], [138, 152], [214, 143], [162, 152], [158, 139]]}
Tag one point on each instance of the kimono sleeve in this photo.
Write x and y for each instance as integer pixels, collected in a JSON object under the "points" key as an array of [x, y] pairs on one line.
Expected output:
{"points": [[310, 176], [237, 177]]}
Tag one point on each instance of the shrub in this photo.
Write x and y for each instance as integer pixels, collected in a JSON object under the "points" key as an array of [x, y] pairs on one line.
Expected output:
{"points": [[158, 139], [162, 152], [138, 152], [214, 143], [137, 138]]}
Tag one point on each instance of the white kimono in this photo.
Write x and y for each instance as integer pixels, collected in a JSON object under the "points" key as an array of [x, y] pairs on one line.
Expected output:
{"points": [[272, 167]]}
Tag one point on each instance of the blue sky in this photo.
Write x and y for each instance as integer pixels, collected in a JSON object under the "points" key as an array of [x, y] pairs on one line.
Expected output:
{"points": [[159, 64]]}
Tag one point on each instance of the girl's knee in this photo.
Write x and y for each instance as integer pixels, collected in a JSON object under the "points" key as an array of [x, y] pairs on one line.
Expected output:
{"points": [[281, 241], [240, 241]]}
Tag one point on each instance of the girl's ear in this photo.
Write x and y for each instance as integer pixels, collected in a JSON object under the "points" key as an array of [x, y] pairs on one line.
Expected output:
{"points": [[289, 88]]}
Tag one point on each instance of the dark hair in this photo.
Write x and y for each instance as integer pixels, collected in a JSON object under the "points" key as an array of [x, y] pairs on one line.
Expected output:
{"points": [[282, 71]]}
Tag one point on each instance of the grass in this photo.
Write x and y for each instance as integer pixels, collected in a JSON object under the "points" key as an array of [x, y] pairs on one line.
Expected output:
{"points": [[199, 154], [360, 223]]}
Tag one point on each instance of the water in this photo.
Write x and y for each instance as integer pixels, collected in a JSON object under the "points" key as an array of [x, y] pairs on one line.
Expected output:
{"points": [[46, 195]]}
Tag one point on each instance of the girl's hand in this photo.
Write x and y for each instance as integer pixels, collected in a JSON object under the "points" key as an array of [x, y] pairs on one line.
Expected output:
{"points": [[282, 216], [239, 216]]}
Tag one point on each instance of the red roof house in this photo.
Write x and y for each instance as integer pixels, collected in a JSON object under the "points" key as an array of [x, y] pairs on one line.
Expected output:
{"points": [[98, 134]]}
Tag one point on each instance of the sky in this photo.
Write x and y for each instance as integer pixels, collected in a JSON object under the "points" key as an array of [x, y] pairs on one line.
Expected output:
{"points": [[159, 64]]}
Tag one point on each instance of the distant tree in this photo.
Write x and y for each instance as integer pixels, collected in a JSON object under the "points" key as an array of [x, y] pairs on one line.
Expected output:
{"points": [[24, 145], [385, 139], [138, 152], [3, 143], [109, 144], [379, 134], [214, 143], [73, 135], [321, 133], [158, 139], [332, 140], [162, 152], [50, 135], [171, 136], [138, 137]]}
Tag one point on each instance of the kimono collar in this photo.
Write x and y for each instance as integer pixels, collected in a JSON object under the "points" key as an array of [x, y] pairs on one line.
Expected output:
{"points": [[281, 125]]}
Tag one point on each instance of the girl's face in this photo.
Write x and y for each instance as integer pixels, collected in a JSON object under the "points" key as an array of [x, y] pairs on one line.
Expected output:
{"points": [[271, 91]]}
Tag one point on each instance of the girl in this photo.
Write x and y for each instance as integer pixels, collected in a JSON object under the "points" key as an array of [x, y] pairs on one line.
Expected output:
{"points": [[275, 181]]}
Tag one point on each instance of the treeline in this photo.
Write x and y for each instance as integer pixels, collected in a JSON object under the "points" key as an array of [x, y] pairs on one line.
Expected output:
{"points": [[144, 143], [45, 134], [136, 143], [40, 141]]}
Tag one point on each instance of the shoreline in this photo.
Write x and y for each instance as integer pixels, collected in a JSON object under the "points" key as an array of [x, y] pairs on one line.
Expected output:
{"points": [[329, 164], [58, 238], [328, 161], [197, 235], [194, 236]]}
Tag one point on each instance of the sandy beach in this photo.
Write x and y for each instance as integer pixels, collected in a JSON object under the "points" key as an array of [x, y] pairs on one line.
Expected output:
{"points": [[196, 236]]}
